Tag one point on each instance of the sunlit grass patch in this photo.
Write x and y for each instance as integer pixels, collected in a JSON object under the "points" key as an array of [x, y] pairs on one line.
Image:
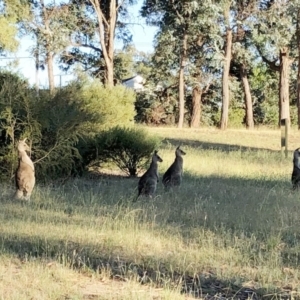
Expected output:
{"points": [[36, 280], [41, 279]]}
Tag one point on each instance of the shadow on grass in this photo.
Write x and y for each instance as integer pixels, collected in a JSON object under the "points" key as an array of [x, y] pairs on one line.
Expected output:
{"points": [[248, 205], [216, 146], [233, 203], [78, 256]]}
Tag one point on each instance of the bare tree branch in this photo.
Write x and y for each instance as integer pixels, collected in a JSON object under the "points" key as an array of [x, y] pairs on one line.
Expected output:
{"points": [[46, 155]]}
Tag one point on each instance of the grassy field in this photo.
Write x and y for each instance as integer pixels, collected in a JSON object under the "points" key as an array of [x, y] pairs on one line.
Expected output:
{"points": [[232, 230]]}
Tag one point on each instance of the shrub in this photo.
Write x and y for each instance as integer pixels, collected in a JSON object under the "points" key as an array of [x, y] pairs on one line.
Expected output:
{"points": [[152, 108], [16, 119], [128, 148], [55, 124], [113, 105], [88, 155], [236, 117]]}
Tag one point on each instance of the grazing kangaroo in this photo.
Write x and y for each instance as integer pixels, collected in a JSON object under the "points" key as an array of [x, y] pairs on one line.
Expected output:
{"points": [[173, 175], [148, 182], [296, 170], [25, 178]]}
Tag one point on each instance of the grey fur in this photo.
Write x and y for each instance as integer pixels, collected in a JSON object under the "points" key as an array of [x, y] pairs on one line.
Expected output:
{"points": [[173, 176], [148, 182], [296, 169], [25, 177]]}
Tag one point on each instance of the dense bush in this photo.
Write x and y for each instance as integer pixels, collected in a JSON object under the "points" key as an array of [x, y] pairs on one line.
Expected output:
{"points": [[64, 119], [88, 155], [114, 105], [55, 124], [264, 92], [155, 108], [128, 148], [236, 117], [16, 119]]}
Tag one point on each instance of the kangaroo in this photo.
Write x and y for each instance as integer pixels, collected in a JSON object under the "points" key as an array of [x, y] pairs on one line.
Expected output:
{"points": [[173, 175], [148, 182], [296, 170], [25, 178]]}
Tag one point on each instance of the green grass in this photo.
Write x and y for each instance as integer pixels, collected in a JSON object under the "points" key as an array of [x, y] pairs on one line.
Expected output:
{"points": [[233, 226]]}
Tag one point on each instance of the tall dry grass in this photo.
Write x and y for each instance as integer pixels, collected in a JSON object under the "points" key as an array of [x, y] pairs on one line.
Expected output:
{"points": [[232, 227]]}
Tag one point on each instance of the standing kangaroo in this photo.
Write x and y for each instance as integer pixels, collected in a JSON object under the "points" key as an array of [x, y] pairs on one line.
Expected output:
{"points": [[173, 175], [296, 169], [148, 182], [25, 178]]}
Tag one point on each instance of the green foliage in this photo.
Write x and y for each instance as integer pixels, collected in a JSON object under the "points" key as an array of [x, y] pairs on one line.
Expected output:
{"points": [[16, 119], [294, 114], [114, 105], [79, 112], [64, 119], [129, 62], [236, 112], [55, 124], [153, 108], [88, 155], [211, 115], [12, 11], [269, 113], [128, 148], [236, 117], [194, 23], [264, 88], [73, 117], [85, 22]]}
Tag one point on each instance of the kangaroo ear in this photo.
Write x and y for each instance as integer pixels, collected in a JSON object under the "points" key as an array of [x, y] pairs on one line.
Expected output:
{"points": [[24, 140]]}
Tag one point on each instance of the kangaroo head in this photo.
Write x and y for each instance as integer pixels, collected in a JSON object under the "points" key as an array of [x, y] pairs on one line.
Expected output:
{"points": [[179, 152], [156, 157], [297, 157], [22, 146]]}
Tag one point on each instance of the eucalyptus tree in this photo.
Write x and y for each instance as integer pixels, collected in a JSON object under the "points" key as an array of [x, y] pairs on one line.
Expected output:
{"points": [[184, 28], [96, 27], [129, 62], [226, 65], [236, 16], [272, 34], [46, 26], [295, 12], [11, 13], [243, 53], [203, 68]]}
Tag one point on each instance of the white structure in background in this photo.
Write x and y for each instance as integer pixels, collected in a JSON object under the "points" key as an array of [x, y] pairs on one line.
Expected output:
{"points": [[136, 82]]}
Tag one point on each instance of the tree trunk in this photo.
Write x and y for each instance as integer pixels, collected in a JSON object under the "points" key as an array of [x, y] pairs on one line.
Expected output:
{"points": [[298, 75], [110, 43], [181, 81], [107, 26], [196, 109], [109, 72], [49, 53], [225, 80], [284, 102], [37, 68], [248, 98], [50, 72]]}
